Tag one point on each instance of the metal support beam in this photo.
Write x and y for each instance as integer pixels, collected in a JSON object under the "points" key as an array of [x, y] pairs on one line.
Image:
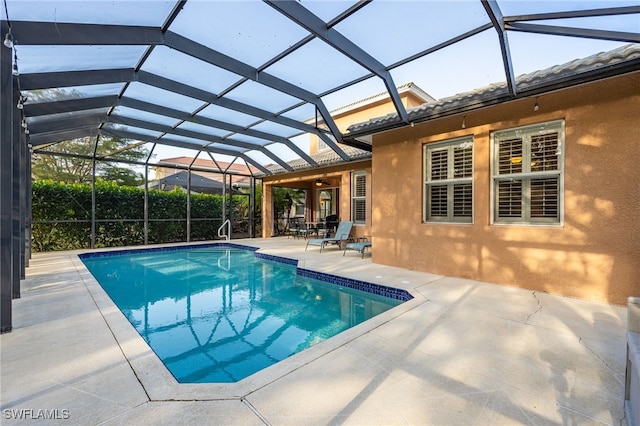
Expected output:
{"points": [[28, 202], [17, 245], [93, 193], [70, 105], [146, 204], [303, 17], [213, 57], [180, 144], [7, 109], [495, 15], [588, 13], [206, 138], [574, 32]]}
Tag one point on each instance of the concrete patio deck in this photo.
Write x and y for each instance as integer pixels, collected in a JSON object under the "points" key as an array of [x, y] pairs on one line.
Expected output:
{"points": [[461, 352]]}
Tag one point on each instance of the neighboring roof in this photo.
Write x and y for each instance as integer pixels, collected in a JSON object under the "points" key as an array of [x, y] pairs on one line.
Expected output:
{"points": [[205, 163], [405, 88], [575, 72], [198, 183]]}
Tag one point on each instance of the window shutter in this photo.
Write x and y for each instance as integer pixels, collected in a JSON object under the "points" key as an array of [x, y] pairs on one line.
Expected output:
{"points": [[544, 198], [462, 200], [359, 210], [510, 198], [360, 186], [439, 164], [359, 197], [449, 181], [528, 175], [438, 201], [462, 162], [510, 156], [544, 152]]}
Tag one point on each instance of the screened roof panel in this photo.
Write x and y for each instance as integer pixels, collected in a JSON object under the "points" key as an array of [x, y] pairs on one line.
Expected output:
{"points": [[329, 10], [243, 30], [125, 12], [163, 97], [132, 129], [261, 96], [531, 7], [250, 140], [227, 115], [230, 148], [445, 74], [38, 59], [389, 33], [300, 113], [191, 71], [344, 97], [316, 67], [275, 129], [137, 114], [194, 126], [259, 157], [197, 143], [257, 73], [73, 92]]}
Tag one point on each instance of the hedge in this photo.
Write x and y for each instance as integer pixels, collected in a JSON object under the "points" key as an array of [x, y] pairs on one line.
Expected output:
{"points": [[62, 215]]}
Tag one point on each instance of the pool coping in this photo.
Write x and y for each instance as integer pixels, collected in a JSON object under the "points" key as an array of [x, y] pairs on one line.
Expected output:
{"points": [[161, 385]]}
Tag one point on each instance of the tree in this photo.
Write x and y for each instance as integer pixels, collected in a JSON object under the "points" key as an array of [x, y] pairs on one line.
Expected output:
{"points": [[283, 201], [74, 165]]}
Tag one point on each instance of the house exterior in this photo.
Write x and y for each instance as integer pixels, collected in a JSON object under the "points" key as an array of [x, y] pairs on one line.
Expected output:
{"points": [[337, 187], [541, 192]]}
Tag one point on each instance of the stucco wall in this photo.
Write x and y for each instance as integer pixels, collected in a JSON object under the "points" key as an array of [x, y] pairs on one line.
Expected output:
{"points": [[594, 255]]}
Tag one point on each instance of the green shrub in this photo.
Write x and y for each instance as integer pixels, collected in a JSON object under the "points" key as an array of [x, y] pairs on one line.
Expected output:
{"points": [[62, 215]]}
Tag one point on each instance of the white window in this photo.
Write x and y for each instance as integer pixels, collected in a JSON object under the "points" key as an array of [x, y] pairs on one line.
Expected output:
{"points": [[359, 197], [448, 189], [528, 174]]}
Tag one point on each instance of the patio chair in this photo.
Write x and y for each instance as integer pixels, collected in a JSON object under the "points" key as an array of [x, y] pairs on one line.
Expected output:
{"points": [[359, 246], [295, 226], [342, 234]]}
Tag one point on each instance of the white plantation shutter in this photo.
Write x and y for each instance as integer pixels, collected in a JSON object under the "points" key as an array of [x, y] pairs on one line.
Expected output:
{"points": [[448, 181], [359, 197], [527, 174]]}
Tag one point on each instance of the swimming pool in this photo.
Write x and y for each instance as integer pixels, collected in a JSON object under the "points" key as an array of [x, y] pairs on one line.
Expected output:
{"points": [[217, 313]]}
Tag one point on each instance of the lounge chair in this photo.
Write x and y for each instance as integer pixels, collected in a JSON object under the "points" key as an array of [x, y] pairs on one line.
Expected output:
{"points": [[342, 234], [360, 246]]}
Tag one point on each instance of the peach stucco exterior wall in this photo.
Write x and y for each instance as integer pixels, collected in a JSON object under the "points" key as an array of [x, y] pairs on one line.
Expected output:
{"points": [[594, 254]]}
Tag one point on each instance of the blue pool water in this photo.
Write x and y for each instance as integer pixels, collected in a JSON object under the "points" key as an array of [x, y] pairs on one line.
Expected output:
{"points": [[218, 313]]}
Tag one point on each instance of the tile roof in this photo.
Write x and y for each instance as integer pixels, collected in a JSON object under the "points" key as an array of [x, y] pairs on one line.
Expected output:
{"points": [[498, 92], [325, 157]]}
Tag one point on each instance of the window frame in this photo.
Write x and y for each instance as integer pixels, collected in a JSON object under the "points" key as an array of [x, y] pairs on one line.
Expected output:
{"points": [[526, 175], [449, 183], [358, 198]]}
